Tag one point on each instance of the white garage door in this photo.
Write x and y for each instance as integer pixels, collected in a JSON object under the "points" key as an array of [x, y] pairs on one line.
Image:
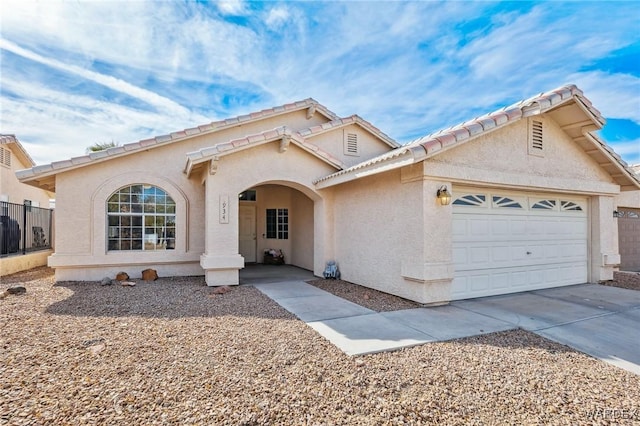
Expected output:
{"points": [[510, 242]]}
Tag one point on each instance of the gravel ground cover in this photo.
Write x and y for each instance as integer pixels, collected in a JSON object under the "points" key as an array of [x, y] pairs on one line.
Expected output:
{"points": [[172, 352], [363, 296], [622, 279]]}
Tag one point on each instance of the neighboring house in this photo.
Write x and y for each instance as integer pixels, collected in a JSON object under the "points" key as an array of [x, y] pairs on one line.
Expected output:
{"points": [[533, 199], [25, 218], [628, 207], [14, 157]]}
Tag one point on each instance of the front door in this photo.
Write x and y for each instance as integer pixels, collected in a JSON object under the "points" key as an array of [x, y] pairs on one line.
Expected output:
{"points": [[247, 233]]}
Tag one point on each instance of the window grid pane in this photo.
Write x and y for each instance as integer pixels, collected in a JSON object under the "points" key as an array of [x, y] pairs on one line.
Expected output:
{"points": [[278, 224], [141, 217]]}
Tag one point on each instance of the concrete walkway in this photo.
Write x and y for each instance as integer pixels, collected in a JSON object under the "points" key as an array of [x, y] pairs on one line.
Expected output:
{"points": [[601, 321]]}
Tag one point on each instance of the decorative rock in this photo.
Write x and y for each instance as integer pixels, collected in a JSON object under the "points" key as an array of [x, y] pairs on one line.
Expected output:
{"points": [[95, 346], [106, 281], [16, 290], [96, 349], [122, 276], [127, 283], [149, 275], [221, 290]]}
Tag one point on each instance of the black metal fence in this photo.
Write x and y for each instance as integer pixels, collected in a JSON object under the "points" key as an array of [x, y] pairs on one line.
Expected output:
{"points": [[24, 228]]}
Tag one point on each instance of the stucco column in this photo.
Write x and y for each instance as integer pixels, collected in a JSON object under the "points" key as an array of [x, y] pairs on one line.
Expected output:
{"points": [[221, 260], [427, 258], [323, 233], [604, 242]]}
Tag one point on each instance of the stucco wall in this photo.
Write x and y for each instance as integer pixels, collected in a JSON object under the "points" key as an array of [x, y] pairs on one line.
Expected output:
{"points": [[261, 165], [301, 230], [81, 246], [81, 249], [12, 264], [628, 199], [502, 157], [334, 143], [381, 239]]}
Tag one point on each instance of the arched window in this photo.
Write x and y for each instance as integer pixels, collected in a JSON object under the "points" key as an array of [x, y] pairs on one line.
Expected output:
{"points": [[141, 217]]}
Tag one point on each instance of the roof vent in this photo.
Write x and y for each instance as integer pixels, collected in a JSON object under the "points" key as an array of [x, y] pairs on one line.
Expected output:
{"points": [[536, 138], [5, 157], [351, 144]]}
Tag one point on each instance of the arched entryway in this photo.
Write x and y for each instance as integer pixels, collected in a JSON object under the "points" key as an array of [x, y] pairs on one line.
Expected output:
{"points": [[276, 217]]}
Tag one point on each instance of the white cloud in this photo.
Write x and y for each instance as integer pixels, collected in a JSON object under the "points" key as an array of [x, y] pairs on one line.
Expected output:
{"points": [[73, 122], [231, 7], [161, 103], [408, 67], [629, 150], [277, 17], [614, 95]]}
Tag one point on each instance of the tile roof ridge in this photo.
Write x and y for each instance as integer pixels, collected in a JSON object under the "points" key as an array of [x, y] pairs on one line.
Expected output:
{"points": [[160, 140], [264, 136], [451, 136], [345, 121]]}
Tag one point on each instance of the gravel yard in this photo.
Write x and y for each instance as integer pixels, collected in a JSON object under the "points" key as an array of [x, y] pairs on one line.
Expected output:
{"points": [[172, 352], [363, 296], [628, 280]]}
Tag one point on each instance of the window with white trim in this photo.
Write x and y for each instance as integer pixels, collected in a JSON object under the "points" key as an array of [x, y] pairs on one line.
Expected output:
{"points": [[499, 201], [478, 200], [141, 217], [569, 206], [544, 205], [278, 224]]}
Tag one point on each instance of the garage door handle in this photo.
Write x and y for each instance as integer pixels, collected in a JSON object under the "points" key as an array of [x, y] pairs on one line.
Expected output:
{"points": [[528, 252]]}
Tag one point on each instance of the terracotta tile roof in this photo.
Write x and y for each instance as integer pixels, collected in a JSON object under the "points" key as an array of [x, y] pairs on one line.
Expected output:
{"points": [[347, 121], [174, 137], [453, 136], [235, 145]]}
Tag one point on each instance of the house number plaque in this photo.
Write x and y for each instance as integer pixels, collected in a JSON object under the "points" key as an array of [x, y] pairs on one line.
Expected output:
{"points": [[224, 208]]}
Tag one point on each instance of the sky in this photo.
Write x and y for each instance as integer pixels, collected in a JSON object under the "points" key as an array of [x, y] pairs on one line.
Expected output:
{"points": [[76, 73]]}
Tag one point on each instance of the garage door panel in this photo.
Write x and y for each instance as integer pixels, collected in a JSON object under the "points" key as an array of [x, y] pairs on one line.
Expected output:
{"points": [[500, 254], [498, 250], [479, 228], [480, 255], [469, 284]]}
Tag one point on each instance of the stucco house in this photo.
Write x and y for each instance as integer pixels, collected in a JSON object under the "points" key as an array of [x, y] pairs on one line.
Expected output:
{"points": [[532, 199], [25, 221], [14, 157]]}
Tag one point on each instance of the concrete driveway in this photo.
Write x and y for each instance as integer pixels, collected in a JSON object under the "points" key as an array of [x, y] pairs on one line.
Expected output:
{"points": [[598, 320]]}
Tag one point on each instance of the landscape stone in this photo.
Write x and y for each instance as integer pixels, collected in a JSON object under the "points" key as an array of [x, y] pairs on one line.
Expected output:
{"points": [[122, 276], [149, 275]]}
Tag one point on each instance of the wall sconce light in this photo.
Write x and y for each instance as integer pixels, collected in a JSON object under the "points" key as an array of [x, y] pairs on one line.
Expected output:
{"points": [[617, 214], [443, 195]]}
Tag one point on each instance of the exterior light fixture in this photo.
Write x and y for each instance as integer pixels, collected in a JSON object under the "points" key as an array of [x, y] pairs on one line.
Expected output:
{"points": [[443, 195]]}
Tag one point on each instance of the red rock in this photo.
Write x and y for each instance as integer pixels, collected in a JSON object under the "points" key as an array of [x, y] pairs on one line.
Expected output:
{"points": [[149, 275], [122, 276]]}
